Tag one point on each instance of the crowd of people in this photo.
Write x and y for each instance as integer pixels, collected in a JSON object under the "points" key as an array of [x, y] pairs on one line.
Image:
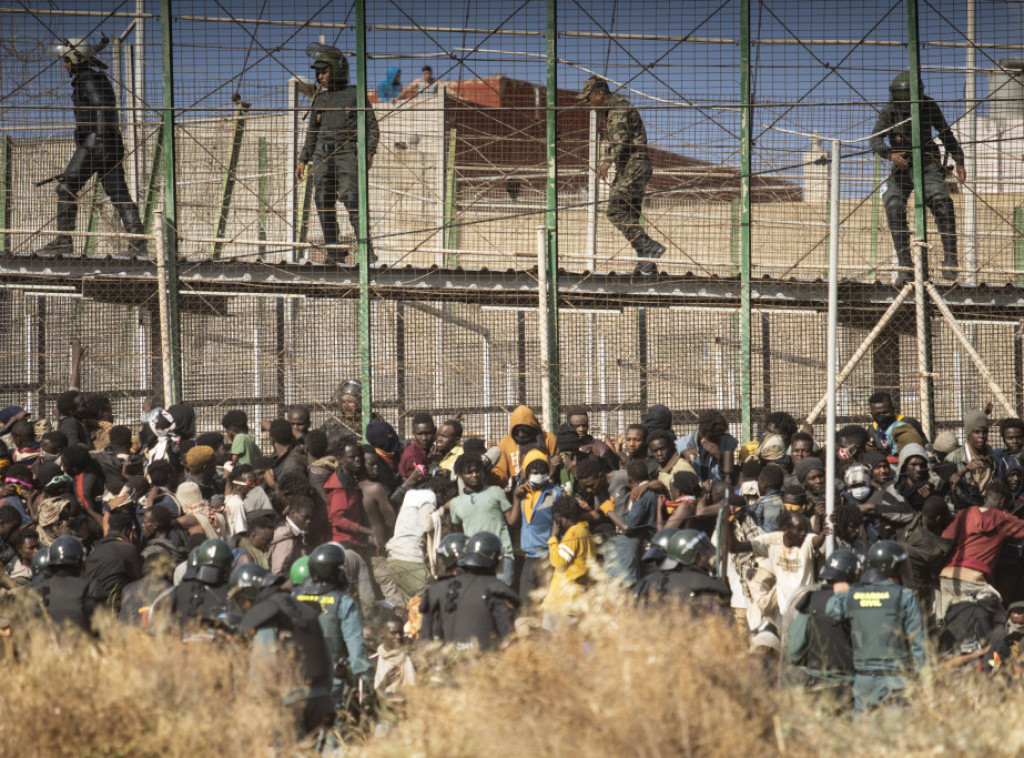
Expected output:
{"points": [[341, 539]]}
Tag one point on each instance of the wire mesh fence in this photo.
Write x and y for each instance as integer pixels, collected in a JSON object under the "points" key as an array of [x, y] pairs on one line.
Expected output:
{"points": [[468, 154]]}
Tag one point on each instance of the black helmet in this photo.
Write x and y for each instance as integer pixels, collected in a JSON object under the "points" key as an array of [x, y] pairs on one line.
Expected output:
{"points": [[41, 562], [327, 564], [67, 551], [887, 557], [248, 579], [483, 550], [213, 562], [841, 566], [325, 56], [658, 551], [687, 545], [451, 549]]}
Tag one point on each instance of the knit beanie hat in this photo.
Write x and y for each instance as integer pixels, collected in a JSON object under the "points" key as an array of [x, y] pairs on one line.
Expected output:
{"points": [[975, 419], [806, 466]]}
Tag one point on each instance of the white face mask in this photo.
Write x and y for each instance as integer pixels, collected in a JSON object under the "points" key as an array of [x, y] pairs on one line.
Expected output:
{"points": [[539, 480], [860, 494]]}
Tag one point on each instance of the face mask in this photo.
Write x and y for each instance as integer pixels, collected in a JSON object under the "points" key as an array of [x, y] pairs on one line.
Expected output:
{"points": [[884, 420], [539, 480], [860, 494]]}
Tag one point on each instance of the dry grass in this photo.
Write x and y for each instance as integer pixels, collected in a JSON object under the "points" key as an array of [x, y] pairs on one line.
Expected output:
{"points": [[132, 694], [622, 682]]}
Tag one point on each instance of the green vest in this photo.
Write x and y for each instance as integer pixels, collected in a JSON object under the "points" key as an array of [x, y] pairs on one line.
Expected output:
{"points": [[876, 628]]}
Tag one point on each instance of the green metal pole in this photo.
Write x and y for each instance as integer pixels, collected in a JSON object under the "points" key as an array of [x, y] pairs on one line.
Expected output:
{"points": [[734, 236], [228, 184], [552, 203], [451, 231], [261, 190], [6, 155], [170, 222], [366, 375], [876, 212], [920, 221], [746, 147]]}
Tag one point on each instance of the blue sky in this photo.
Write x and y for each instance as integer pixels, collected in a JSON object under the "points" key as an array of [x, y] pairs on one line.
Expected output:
{"points": [[686, 89]]}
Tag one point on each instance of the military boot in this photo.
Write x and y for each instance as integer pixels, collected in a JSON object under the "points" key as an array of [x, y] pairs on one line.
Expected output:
{"points": [[67, 212], [645, 268], [649, 248], [133, 225]]}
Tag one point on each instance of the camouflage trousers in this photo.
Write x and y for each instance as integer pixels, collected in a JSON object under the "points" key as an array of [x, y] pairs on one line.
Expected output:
{"points": [[936, 196], [625, 201]]}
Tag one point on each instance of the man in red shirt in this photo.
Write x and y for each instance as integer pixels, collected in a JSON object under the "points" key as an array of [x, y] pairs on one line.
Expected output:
{"points": [[345, 498], [978, 533]]}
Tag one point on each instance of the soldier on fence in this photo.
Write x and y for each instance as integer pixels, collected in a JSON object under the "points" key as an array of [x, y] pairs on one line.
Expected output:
{"points": [[894, 117], [626, 148], [331, 144], [98, 147]]}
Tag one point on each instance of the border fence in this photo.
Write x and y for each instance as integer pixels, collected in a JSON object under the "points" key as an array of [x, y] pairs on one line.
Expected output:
{"points": [[499, 280]]}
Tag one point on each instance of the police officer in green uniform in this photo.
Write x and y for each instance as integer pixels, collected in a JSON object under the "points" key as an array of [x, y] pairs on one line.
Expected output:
{"points": [[898, 187], [331, 145], [280, 625], [626, 149], [683, 572], [886, 627], [326, 590], [820, 646]]}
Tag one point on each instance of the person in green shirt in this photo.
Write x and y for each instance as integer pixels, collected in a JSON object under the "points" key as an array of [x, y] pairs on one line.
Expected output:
{"points": [[236, 429]]}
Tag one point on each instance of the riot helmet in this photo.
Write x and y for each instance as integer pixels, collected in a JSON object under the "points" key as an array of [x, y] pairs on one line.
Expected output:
{"points": [[842, 566], [327, 564], [452, 547], [213, 562], [66, 551], [483, 550]]}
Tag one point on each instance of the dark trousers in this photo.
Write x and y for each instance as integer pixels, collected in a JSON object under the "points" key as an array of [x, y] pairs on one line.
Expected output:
{"points": [[104, 161]]}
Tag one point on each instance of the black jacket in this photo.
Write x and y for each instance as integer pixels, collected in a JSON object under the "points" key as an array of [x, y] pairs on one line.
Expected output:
{"points": [[113, 564]]}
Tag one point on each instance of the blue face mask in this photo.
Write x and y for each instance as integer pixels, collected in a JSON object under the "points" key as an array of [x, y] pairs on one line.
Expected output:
{"points": [[861, 493]]}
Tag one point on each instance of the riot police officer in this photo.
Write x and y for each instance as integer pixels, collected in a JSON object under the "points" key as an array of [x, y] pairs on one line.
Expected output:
{"points": [[339, 617], [886, 627], [449, 551], [281, 625], [683, 572], [69, 598], [816, 643], [893, 125], [202, 594], [331, 146], [298, 574], [40, 565], [98, 147], [478, 609]]}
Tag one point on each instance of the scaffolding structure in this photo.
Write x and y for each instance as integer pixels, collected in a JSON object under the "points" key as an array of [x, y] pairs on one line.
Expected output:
{"points": [[499, 280]]}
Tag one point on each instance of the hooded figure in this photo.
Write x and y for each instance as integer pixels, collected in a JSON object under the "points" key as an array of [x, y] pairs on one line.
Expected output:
{"points": [[898, 501], [1011, 471], [391, 86], [524, 434]]}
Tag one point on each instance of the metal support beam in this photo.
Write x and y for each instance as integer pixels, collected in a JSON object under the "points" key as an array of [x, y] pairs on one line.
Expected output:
{"points": [[746, 148], [554, 363], [170, 220], [983, 368], [228, 185], [262, 190], [970, 235], [6, 157], [451, 230], [364, 323], [156, 172]]}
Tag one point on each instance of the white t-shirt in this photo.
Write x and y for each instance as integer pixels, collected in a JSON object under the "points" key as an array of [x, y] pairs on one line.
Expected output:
{"points": [[793, 566], [411, 526]]}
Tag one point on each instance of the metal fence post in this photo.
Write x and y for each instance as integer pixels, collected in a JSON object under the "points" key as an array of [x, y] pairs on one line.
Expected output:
{"points": [[365, 366], [924, 331], [746, 146], [169, 226], [552, 212]]}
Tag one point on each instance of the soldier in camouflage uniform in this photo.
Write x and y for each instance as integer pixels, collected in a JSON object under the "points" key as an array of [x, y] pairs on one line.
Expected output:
{"points": [[901, 180], [331, 144], [626, 149]]}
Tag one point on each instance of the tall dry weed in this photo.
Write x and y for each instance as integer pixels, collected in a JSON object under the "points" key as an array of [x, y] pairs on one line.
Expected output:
{"points": [[132, 694], [621, 682]]}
